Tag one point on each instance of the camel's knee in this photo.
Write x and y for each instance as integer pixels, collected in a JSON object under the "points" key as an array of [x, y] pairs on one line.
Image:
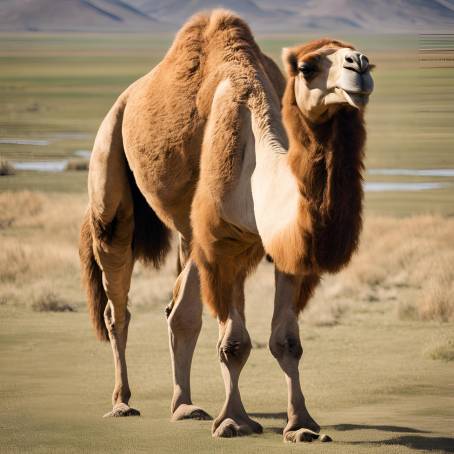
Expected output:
{"points": [[185, 320], [116, 318], [286, 347], [184, 313], [235, 349]]}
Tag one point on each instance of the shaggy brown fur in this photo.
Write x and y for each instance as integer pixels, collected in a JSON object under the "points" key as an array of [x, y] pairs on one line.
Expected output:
{"points": [[327, 160], [206, 51]]}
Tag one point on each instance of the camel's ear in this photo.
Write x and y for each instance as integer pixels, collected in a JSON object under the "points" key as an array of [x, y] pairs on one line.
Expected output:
{"points": [[290, 61]]}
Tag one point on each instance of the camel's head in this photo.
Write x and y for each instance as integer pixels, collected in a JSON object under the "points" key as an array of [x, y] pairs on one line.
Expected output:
{"points": [[327, 74]]}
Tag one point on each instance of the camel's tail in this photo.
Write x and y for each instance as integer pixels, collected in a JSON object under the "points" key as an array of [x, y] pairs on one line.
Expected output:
{"points": [[92, 279]]}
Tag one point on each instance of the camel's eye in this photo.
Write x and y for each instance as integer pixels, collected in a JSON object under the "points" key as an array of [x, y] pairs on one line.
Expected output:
{"points": [[308, 69]]}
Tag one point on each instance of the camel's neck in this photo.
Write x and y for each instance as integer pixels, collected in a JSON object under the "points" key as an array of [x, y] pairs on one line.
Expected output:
{"points": [[308, 202], [327, 161]]}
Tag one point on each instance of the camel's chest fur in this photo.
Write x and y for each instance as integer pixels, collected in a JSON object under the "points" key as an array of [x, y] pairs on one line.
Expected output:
{"points": [[328, 163]]}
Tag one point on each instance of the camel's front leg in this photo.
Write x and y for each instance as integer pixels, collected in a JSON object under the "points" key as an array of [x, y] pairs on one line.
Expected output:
{"points": [[234, 346], [185, 322], [285, 345]]}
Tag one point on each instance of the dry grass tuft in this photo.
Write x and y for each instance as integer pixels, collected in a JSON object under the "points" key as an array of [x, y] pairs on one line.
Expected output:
{"points": [[23, 206], [407, 262], [77, 164], [442, 349], [50, 302], [407, 311], [38, 250], [6, 168]]}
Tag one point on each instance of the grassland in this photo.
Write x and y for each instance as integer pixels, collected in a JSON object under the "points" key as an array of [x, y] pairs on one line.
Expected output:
{"points": [[378, 338], [378, 345], [59, 87]]}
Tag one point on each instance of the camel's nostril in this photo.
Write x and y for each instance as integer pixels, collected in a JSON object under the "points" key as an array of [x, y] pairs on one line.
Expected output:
{"points": [[349, 59]]}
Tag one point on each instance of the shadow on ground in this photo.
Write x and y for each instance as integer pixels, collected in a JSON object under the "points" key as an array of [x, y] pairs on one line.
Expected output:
{"points": [[398, 429], [280, 415], [420, 442], [428, 443]]}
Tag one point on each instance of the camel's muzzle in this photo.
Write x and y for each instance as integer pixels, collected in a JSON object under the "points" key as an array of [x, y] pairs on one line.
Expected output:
{"points": [[355, 79]]}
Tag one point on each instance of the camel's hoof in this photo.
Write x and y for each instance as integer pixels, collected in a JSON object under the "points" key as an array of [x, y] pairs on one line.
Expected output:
{"points": [[230, 428], [300, 436], [185, 411], [122, 410], [305, 436]]}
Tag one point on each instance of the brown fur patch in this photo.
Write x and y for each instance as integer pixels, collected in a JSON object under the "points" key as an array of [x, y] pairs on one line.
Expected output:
{"points": [[162, 135]]}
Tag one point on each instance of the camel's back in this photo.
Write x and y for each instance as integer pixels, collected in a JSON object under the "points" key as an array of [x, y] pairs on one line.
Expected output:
{"points": [[167, 110]]}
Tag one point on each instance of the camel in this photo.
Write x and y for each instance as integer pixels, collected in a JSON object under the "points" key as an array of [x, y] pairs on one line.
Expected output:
{"points": [[215, 145]]}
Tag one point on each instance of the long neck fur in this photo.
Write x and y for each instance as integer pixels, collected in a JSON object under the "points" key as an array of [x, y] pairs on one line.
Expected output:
{"points": [[327, 161]]}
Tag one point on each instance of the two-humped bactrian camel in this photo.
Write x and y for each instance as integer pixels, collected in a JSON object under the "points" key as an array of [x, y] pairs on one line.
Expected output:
{"points": [[200, 146]]}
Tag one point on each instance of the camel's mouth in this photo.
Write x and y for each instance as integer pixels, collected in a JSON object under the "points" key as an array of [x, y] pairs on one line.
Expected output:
{"points": [[356, 87], [356, 99]]}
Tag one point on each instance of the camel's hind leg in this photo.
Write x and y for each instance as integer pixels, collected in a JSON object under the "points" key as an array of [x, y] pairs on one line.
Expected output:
{"points": [[112, 221], [292, 293], [116, 260], [185, 322]]}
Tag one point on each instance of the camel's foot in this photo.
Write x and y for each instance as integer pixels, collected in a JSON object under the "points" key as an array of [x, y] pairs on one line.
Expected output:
{"points": [[303, 429], [121, 410], [228, 427], [300, 435], [187, 411], [305, 436]]}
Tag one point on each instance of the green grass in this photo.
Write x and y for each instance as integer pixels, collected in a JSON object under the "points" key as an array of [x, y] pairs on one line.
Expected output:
{"points": [[53, 84]]}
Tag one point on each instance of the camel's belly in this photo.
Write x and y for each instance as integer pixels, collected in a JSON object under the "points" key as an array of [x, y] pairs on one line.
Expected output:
{"points": [[169, 193]]}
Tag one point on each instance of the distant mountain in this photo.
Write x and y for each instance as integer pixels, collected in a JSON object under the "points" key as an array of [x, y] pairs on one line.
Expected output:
{"points": [[263, 15], [74, 15]]}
